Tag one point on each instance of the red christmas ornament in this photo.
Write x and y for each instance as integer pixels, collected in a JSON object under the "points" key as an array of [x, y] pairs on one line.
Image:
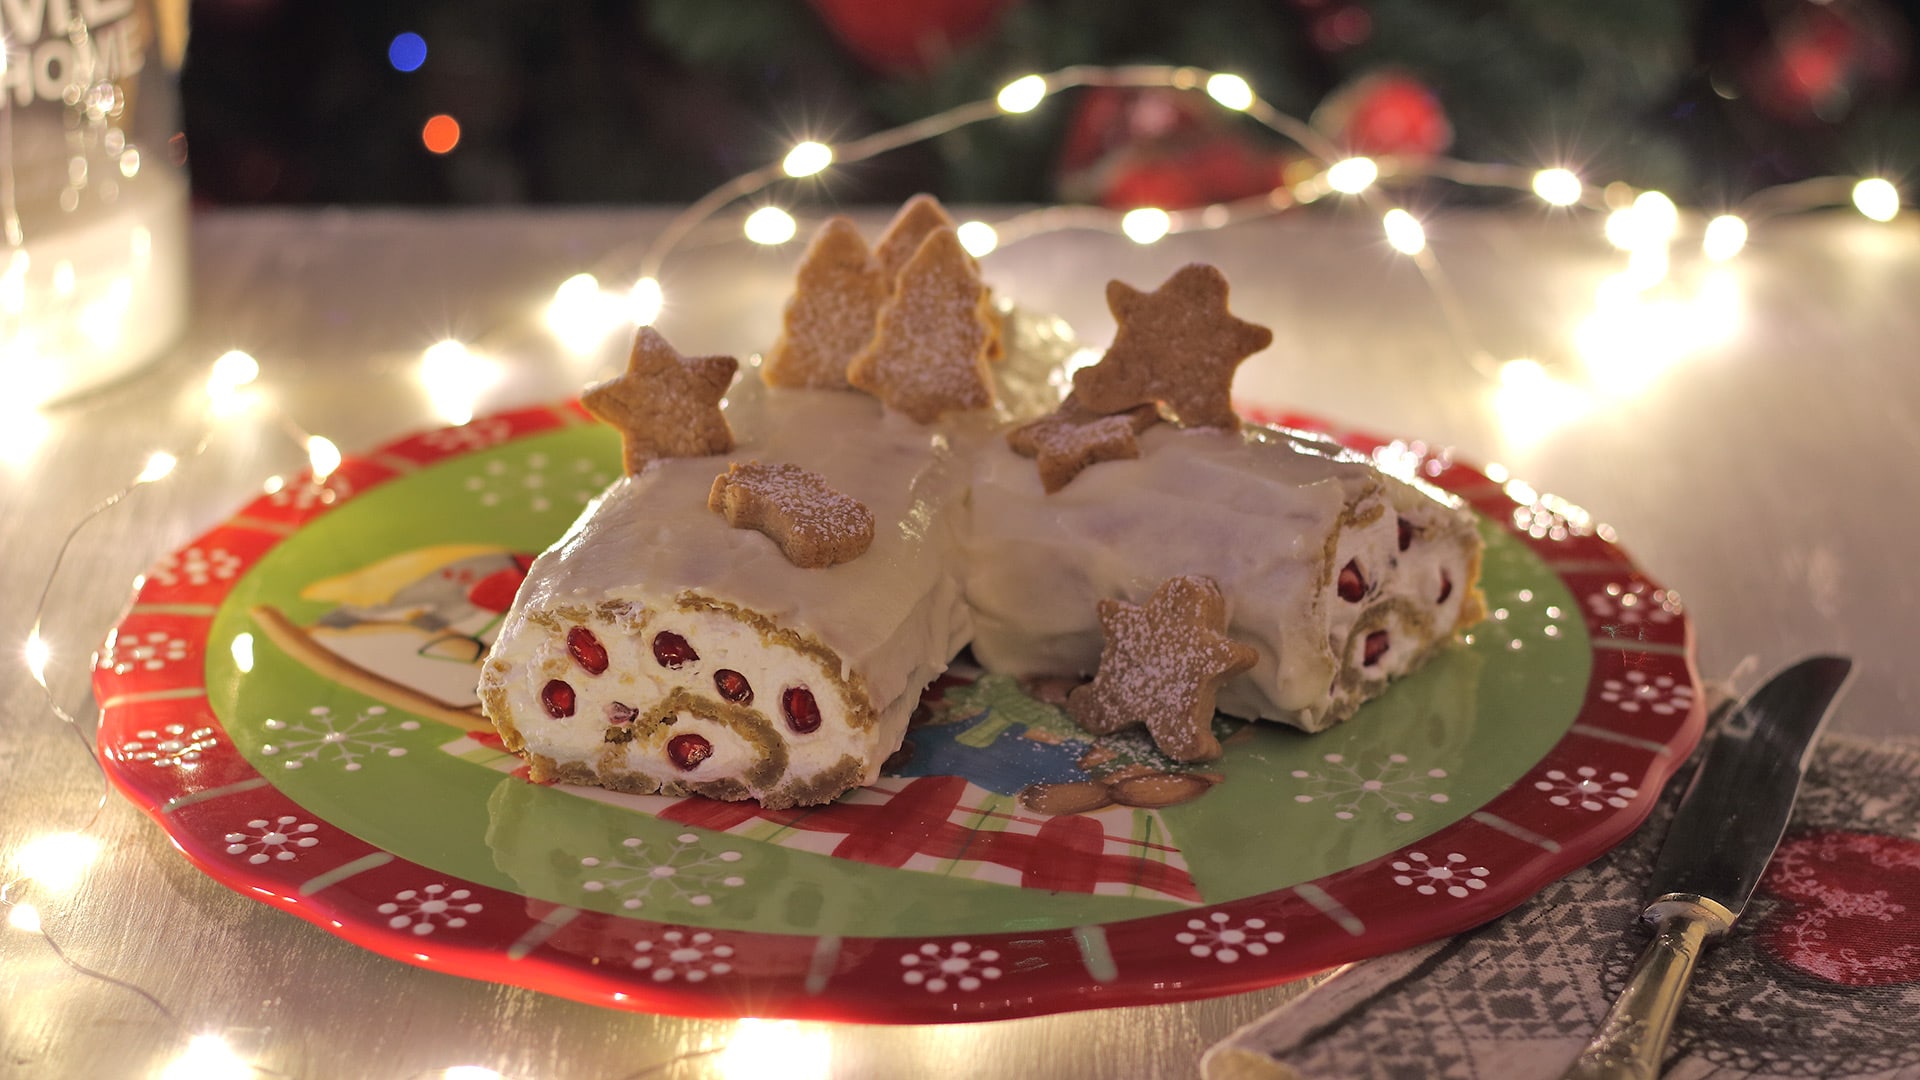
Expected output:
{"points": [[1165, 148], [1386, 113], [909, 38], [1824, 58]]}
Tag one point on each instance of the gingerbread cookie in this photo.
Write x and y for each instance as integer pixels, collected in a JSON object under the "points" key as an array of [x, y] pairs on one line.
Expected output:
{"points": [[1177, 344], [1160, 667], [813, 524], [837, 295], [916, 220], [665, 405], [928, 353], [1071, 438]]}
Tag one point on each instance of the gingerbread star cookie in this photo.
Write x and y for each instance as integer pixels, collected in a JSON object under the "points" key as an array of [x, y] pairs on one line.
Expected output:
{"points": [[1161, 666], [928, 353], [837, 295], [813, 524], [1177, 344], [665, 405], [1071, 438]]}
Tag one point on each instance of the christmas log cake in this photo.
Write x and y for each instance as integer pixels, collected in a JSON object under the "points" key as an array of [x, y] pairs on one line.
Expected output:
{"points": [[753, 610]]}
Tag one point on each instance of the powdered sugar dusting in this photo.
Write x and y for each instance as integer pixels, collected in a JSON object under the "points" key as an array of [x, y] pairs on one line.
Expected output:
{"points": [[838, 292]]}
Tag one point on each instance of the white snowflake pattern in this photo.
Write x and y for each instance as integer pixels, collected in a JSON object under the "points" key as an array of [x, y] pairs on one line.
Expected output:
{"points": [[937, 967], [169, 745], [1587, 789], [322, 739], [424, 910], [197, 566], [1215, 936], [1662, 695], [1630, 608], [502, 482], [150, 651], [279, 840], [1392, 786], [477, 435], [304, 494], [690, 956], [1428, 878], [685, 872]]}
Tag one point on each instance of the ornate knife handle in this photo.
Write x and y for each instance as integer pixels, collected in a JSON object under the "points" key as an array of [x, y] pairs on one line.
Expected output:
{"points": [[1633, 1037]]}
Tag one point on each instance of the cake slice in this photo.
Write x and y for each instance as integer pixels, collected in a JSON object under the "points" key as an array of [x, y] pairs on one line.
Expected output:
{"points": [[1342, 578], [657, 648]]}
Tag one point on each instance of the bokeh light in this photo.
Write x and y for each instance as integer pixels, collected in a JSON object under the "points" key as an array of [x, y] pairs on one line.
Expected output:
{"points": [[1023, 94], [1557, 186], [1353, 175], [441, 134], [1726, 235], [770, 225], [977, 237], [807, 159], [1404, 232], [1877, 199], [1231, 91], [1145, 225], [407, 51]]}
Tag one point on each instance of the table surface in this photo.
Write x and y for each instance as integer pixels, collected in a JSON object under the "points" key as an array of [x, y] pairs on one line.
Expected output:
{"points": [[1751, 435]]}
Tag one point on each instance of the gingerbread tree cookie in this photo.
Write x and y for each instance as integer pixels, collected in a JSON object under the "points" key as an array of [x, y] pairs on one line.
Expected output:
{"points": [[1071, 438], [1161, 666], [1177, 344], [665, 404], [916, 220], [837, 295], [813, 524], [928, 354]]}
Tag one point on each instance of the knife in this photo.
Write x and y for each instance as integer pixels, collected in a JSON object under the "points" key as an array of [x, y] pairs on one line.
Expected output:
{"points": [[1725, 831]]}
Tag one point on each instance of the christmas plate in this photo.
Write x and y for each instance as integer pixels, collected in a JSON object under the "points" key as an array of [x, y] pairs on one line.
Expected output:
{"points": [[292, 697]]}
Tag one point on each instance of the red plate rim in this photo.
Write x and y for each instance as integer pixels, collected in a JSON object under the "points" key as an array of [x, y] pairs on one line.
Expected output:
{"points": [[164, 748]]}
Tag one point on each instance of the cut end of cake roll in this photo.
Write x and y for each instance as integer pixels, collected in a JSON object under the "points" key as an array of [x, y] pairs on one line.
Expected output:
{"points": [[691, 696]]}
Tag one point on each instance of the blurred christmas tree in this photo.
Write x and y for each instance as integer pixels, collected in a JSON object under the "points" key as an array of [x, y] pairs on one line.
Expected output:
{"points": [[658, 101]]}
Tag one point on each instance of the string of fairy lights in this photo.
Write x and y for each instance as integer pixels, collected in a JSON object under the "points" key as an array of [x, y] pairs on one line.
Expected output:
{"points": [[1642, 224]]}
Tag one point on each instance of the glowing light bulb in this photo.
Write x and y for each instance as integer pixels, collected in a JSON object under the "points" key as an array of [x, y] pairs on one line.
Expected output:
{"points": [[1658, 218], [242, 650], [57, 861], [455, 377], [1145, 225], [24, 917], [1622, 229], [977, 237], [645, 301], [770, 225], [1404, 232], [158, 465], [776, 1047], [1023, 94], [1557, 186], [1726, 235], [1231, 91], [582, 316], [1353, 175], [323, 456], [1877, 199], [807, 159], [231, 371], [469, 1072], [207, 1057], [37, 654]]}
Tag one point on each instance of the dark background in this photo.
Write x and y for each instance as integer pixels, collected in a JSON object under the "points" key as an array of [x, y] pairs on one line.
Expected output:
{"points": [[605, 101]]}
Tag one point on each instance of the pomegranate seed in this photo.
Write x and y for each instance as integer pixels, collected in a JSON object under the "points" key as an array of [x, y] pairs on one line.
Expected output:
{"points": [[1376, 648], [803, 713], [1406, 534], [620, 713], [733, 686], [672, 650], [1353, 587], [587, 650], [557, 696], [1446, 588], [689, 750]]}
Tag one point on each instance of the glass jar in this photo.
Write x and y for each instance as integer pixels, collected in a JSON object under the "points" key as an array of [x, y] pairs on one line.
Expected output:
{"points": [[93, 197]]}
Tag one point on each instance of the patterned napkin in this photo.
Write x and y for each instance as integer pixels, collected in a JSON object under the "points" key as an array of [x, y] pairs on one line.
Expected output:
{"points": [[1820, 978]]}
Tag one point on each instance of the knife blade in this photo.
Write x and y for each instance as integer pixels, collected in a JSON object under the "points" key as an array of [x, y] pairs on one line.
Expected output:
{"points": [[1729, 821]]}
